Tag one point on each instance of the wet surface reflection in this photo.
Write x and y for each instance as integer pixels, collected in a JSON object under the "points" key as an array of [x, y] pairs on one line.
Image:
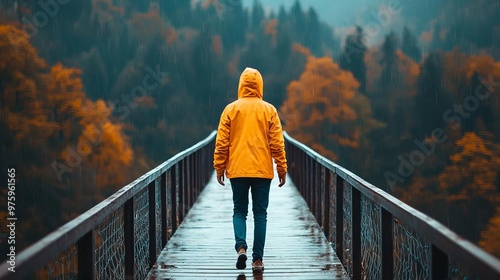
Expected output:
{"points": [[256, 275]]}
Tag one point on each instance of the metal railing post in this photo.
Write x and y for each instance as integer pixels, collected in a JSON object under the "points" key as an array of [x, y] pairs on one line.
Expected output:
{"points": [[164, 209], [356, 233], [152, 222], [328, 204], [129, 238], [180, 192], [174, 186], [86, 256], [439, 264], [339, 217], [387, 245]]}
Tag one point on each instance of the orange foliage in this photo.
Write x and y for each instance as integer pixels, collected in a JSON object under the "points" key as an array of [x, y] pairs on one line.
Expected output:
{"points": [[458, 69], [97, 139], [106, 11], [473, 170], [271, 29], [232, 65], [373, 68], [207, 3], [217, 44], [39, 107], [411, 69], [296, 47], [150, 25], [21, 103], [406, 66], [490, 238], [171, 35], [461, 72], [318, 109]]}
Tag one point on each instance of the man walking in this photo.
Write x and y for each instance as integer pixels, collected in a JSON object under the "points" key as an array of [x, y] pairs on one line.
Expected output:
{"points": [[248, 138]]}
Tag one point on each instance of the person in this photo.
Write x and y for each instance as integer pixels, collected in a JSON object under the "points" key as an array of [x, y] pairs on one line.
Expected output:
{"points": [[249, 136]]}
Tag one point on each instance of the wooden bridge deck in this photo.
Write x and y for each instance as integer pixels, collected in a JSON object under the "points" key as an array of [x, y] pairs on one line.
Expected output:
{"points": [[203, 246]]}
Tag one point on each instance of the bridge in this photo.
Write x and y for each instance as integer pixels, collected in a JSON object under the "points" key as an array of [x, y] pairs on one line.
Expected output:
{"points": [[174, 222]]}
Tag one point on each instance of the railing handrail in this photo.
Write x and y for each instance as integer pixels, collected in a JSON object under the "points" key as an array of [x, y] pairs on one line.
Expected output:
{"points": [[436, 233], [37, 254]]}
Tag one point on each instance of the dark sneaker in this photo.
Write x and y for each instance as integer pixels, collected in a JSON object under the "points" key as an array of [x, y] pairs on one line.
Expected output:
{"points": [[241, 263], [257, 265]]}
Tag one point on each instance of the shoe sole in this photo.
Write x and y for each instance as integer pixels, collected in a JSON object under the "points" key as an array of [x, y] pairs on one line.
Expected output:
{"points": [[241, 263]]}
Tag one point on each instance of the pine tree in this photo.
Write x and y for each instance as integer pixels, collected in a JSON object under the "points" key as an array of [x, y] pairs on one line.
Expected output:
{"points": [[353, 57], [390, 77], [258, 14], [432, 100], [410, 45]]}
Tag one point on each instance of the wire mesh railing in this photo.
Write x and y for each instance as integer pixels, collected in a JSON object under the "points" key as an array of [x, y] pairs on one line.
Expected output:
{"points": [[121, 237], [375, 235]]}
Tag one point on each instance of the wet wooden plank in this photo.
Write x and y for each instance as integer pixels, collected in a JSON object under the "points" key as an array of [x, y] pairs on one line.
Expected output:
{"points": [[203, 246]]}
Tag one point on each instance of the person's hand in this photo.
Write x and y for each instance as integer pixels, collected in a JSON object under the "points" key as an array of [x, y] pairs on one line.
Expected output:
{"points": [[282, 180], [220, 179]]}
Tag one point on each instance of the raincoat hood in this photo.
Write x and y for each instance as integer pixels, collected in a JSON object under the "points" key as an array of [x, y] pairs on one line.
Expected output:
{"points": [[251, 84]]}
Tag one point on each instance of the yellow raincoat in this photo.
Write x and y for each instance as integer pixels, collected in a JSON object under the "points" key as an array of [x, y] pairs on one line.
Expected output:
{"points": [[250, 134]]}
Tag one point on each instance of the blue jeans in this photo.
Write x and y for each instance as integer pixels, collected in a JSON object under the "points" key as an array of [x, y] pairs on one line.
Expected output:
{"points": [[260, 200]]}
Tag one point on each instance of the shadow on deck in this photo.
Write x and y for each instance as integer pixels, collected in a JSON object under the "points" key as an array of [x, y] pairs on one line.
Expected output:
{"points": [[203, 246]]}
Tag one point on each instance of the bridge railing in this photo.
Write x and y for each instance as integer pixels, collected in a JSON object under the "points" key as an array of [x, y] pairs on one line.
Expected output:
{"points": [[377, 236], [121, 237]]}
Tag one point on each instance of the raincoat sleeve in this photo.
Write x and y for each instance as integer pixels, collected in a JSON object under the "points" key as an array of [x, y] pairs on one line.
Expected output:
{"points": [[221, 153], [277, 144]]}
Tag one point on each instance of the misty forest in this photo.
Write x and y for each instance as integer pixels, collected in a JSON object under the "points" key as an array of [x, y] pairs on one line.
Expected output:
{"points": [[95, 93]]}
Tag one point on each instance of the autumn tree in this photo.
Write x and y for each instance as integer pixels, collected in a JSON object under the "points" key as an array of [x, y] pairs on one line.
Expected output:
{"points": [[472, 82], [24, 126], [473, 170], [490, 237], [50, 129], [469, 183], [23, 119], [324, 110]]}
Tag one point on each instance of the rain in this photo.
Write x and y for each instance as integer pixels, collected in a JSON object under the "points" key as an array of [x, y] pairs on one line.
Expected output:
{"points": [[96, 93]]}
